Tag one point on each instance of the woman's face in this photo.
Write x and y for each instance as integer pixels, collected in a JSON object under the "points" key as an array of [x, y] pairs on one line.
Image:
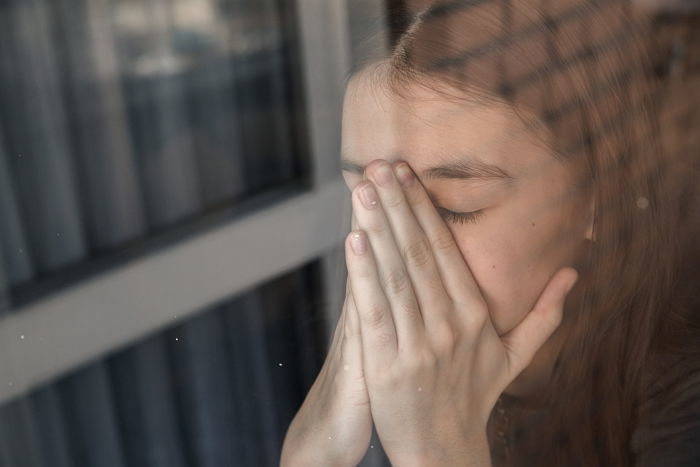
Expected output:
{"points": [[531, 221]]}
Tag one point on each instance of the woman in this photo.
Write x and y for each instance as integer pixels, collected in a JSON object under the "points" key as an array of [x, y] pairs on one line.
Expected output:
{"points": [[531, 138]]}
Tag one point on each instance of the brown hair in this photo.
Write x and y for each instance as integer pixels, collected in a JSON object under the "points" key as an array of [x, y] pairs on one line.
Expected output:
{"points": [[581, 69]]}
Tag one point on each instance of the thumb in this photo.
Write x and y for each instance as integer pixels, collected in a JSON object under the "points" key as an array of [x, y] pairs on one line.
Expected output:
{"points": [[523, 341]]}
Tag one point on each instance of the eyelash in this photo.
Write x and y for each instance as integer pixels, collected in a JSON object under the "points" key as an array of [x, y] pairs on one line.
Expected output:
{"points": [[460, 217]]}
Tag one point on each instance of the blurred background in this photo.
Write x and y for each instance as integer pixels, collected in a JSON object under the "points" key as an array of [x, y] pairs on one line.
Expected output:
{"points": [[172, 214]]}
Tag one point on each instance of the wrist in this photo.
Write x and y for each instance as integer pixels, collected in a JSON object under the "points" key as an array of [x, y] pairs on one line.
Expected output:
{"points": [[471, 452], [299, 459], [310, 455]]}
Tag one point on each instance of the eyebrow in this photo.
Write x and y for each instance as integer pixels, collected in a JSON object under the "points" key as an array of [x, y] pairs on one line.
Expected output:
{"points": [[462, 168]]}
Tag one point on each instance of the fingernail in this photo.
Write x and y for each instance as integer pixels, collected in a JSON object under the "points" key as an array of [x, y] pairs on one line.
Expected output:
{"points": [[383, 175], [404, 174], [357, 242], [368, 195]]}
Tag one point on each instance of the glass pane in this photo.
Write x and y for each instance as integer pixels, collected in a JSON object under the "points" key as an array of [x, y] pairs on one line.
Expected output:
{"points": [[122, 119], [217, 389]]}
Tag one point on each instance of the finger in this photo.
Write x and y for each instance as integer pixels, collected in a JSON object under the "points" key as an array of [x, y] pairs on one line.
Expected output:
{"points": [[456, 276], [523, 341], [340, 324], [352, 326], [392, 274], [413, 245], [377, 330], [351, 349]]}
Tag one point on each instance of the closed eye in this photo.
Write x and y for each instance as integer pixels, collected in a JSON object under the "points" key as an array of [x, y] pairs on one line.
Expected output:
{"points": [[459, 217]]}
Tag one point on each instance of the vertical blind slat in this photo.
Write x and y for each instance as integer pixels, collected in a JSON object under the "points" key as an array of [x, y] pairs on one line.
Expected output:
{"points": [[158, 121], [19, 443], [5, 301], [204, 389], [308, 347], [278, 88], [207, 38], [261, 95], [279, 311], [146, 405], [218, 141], [110, 187], [51, 427], [90, 418], [36, 134], [252, 384], [13, 245]]}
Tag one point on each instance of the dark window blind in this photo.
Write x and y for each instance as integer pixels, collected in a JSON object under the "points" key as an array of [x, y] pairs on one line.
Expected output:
{"points": [[218, 389], [121, 120]]}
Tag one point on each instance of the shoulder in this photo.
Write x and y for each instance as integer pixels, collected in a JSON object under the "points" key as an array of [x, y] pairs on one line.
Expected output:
{"points": [[668, 431]]}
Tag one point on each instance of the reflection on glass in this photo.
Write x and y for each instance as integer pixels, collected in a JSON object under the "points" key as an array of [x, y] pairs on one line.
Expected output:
{"points": [[124, 117]]}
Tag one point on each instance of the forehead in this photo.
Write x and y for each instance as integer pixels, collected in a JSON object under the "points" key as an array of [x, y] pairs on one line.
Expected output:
{"points": [[425, 128]]}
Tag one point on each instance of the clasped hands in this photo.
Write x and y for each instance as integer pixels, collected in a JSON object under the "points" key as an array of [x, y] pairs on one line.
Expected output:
{"points": [[433, 362]]}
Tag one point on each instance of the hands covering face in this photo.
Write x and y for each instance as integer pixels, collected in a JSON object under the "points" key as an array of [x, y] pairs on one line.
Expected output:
{"points": [[433, 363]]}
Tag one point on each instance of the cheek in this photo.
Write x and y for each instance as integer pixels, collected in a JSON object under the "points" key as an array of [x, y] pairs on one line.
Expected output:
{"points": [[508, 264], [496, 264]]}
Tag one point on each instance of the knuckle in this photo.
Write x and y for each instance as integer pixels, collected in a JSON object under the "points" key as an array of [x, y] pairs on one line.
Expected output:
{"points": [[551, 320], [374, 316], [395, 282], [393, 202], [412, 366], [381, 341], [444, 339], [376, 229], [384, 338], [363, 272], [442, 241], [412, 194], [387, 381], [417, 253], [427, 360], [411, 312], [476, 321]]}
